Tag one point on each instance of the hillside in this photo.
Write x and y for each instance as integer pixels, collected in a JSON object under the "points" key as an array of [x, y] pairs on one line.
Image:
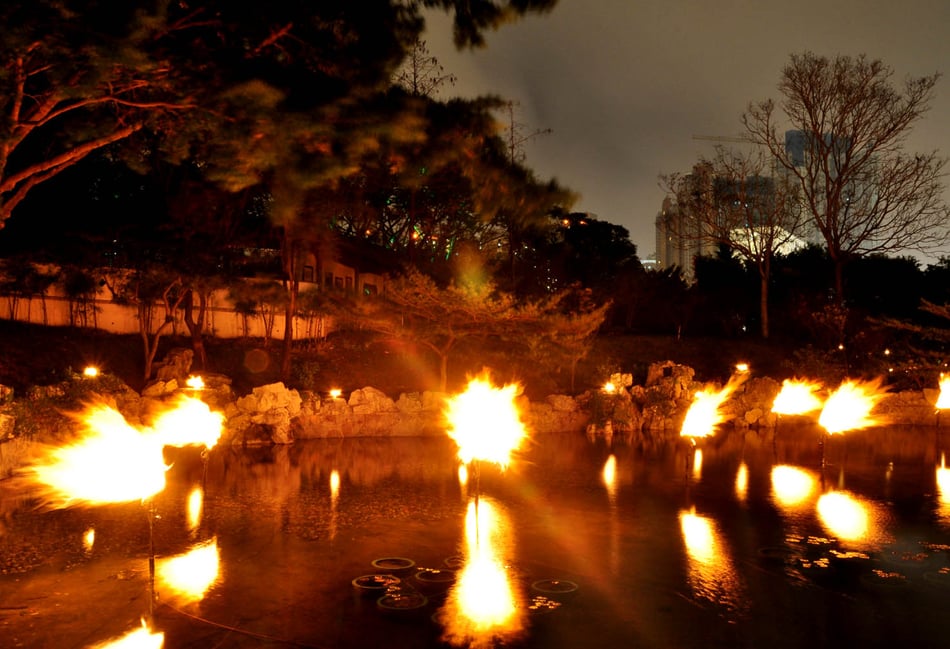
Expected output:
{"points": [[36, 355]]}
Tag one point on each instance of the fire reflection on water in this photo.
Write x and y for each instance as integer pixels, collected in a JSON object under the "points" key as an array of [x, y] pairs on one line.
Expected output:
{"points": [[483, 607], [140, 638], [712, 574], [844, 515], [195, 508], [185, 578], [792, 486], [943, 489]]}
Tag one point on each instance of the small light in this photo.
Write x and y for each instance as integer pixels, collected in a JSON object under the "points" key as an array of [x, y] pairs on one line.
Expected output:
{"points": [[887, 352], [335, 393], [91, 372], [609, 387], [742, 368], [840, 346]]}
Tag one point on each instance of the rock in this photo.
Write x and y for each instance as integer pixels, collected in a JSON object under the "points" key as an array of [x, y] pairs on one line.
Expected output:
{"points": [[370, 401], [175, 365]]}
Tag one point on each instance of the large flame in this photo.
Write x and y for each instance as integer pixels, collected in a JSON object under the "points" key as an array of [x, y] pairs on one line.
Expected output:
{"points": [[187, 577], [943, 401], [113, 462], [189, 422], [485, 422], [797, 397], [482, 607], [705, 414], [849, 407]]}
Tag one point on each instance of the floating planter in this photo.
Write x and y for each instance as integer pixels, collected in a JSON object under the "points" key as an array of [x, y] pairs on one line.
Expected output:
{"points": [[374, 585], [454, 562], [402, 602], [433, 581], [554, 587], [394, 565]]}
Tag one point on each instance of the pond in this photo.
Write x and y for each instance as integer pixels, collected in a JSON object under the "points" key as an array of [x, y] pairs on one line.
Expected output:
{"points": [[756, 539]]}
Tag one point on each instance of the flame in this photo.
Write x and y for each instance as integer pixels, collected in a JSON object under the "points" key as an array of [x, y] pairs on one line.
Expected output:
{"points": [[335, 393], [195, 507], [845, 516], [609, 387], [112, 463], [797, 397], [91, 372], [141, 638], [943, 401], [190, 422], [195, 382], [791, 486], [188, 576], [704, 413], [482, 607], [849, 407], [485, 422], [697, 463]]}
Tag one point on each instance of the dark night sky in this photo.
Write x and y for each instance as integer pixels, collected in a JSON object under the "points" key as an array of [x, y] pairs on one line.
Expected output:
{"points": [[625, 84]]}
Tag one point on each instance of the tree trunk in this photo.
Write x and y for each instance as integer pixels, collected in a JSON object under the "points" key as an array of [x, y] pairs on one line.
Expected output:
{"points": [[764, 303], [196, 325]]}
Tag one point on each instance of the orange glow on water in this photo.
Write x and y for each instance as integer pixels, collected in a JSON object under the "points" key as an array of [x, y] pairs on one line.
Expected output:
{"points": [[195, 508], [89, 539], [742, 481], [791, 486], [482, 609], [609, 476], [849, 407], [712, 574], [844, 515], [141, 638], [943, 489], [485, 422], [187, 577], [797, 397]]}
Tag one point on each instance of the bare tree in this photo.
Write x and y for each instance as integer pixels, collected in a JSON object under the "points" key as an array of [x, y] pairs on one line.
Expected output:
{"points": [[736, 200], [421, 73], [844, 147]]}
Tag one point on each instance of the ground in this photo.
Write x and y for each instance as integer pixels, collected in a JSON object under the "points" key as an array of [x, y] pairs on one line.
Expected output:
{"points": [[36, 355]]}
